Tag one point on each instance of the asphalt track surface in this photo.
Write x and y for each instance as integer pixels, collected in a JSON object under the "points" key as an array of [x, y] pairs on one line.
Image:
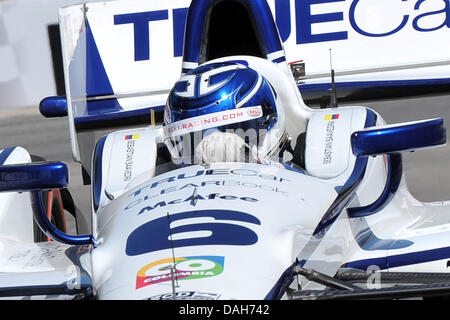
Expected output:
{"points": [[427, 171]]}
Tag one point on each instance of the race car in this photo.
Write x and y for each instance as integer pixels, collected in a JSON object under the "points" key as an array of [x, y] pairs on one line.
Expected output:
{"points": [[317, 208]]}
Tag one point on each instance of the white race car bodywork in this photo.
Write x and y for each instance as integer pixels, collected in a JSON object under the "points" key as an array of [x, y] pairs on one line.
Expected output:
{"points": [[229, 224], [237, 230], [16, 219], [196, 197], [251, 223]]}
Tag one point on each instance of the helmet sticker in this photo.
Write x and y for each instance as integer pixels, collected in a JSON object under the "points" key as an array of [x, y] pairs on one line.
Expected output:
{"points": [[212, 120]]}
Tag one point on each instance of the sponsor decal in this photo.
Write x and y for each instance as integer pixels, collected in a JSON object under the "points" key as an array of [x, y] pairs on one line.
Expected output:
{"points": [[32, 257], [186, 295], [209, 173], [254, 112], [132, 137], [332, 116], [211, 196], [129, 157], [194, 228], [147, 193], [329, 139], [349, 15], [212, 120], [193, 200], [177, 269]]}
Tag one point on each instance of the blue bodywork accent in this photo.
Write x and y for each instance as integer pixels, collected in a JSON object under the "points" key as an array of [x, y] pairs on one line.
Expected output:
{"points": [[278, 290], [259, 11], [401, 260], [97, 81], [40, 216], [380, 262], [97, 172], [88, 65], [179, 23], [278, 60], [51, 107], [5, 154], [347, 191], [194, 30], [367, 240], [364, 236], [33, 176], [399, 138], [293, 167], [345, 194], [283, 18], [394, 176]]}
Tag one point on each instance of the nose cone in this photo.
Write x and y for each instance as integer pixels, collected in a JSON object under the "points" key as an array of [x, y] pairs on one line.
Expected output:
{"points": [[216, 232]]}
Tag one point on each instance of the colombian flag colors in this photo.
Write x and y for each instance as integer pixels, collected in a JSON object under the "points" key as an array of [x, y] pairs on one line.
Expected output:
{"points": [[132, 137], [332, 116]]}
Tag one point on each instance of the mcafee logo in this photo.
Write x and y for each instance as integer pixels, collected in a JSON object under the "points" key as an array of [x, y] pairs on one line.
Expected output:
{"points": [[254, 112]]}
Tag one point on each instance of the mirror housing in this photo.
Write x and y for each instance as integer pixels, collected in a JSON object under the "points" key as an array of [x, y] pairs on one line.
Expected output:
{"points": [[33, 176], [36, 177], [408, 136], [53, 107]]}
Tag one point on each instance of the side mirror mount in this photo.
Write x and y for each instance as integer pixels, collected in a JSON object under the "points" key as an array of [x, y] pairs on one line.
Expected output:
{"points": [[401, 137], [34, 178], [53, 107]]}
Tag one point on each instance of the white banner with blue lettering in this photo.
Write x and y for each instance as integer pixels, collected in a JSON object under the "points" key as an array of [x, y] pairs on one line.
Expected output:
{"points": [[133, 50]]}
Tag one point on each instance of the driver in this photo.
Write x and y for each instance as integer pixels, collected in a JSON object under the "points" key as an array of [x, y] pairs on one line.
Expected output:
{"points": [[225, 112]]}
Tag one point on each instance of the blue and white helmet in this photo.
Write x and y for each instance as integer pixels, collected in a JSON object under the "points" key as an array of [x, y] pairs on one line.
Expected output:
{"points": [[222, 112]]}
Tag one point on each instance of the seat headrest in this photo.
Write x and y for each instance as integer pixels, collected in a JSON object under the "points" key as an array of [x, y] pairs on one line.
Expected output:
{"points": [[328, 152]]}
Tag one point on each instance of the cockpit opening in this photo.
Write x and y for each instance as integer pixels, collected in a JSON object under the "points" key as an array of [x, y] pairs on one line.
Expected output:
{"points": [[230, 31]]}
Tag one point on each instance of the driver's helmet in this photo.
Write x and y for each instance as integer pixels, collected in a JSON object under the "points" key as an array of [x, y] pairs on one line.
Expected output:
{"points": [[223, 112]]}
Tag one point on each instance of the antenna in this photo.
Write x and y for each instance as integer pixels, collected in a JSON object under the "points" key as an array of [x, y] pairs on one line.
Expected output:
{"points": [[173, 275], [333, 97], [152, 117]]}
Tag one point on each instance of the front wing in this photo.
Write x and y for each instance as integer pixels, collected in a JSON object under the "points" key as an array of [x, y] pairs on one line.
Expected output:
{"points": [[45, 270]]}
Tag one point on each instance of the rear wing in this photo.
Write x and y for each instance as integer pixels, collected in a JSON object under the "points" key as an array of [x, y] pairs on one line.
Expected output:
{"points": [[110, 81], [122, 57], [378, 49]]}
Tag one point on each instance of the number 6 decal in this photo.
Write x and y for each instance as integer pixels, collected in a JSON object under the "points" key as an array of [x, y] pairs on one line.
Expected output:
{"points": [[156, 234]]}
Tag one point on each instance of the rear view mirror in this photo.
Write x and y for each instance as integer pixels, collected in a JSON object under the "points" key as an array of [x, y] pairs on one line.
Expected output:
{"points": [[33, 176], [52, 107], [36, 177], [399, 137]]}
